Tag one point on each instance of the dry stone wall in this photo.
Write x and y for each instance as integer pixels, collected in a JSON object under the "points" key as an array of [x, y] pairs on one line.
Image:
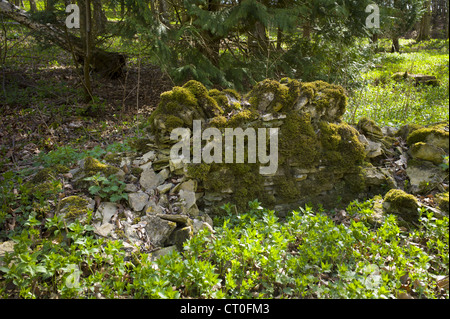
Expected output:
{"points": [[321, 160]]}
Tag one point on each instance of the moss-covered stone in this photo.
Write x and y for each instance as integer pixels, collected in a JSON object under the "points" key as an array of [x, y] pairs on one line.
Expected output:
{"points": [[402, 204], [269, 96], [434, 136], [228, 100], [49, 173], [370, 129], [442, 201], [74, 207], [427, 152], [141, 145], [93, 166]]}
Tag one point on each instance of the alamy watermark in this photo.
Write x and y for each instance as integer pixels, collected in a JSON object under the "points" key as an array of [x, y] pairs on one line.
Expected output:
{"points": [[212, 152], [372, 20]]}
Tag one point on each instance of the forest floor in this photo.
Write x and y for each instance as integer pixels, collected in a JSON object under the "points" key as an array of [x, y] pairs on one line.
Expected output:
{"points": [[42, 114]]}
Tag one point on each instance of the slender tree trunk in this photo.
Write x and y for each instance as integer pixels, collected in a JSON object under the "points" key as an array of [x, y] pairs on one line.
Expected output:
{"points": [[425, 23], [33, 7], [395, 45], [86, 39]]}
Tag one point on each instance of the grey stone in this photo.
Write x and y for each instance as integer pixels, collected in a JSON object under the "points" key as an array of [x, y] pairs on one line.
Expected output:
{"points": [[179, 236], [138, 201], [149, 156], [106, 211], [190, 185], [187, 198], [149, 179], [423, 176], [104, 230], [164, 188], [179, 219], [131, 188], [6, 247], [427, 152], [152, 208], [158, 230], [198, 225]]}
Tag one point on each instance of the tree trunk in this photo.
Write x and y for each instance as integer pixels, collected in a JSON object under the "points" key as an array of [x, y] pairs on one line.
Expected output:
{"points": [[86, 40], [425, 23], [395, 45], [33, 7], [110, 64]]}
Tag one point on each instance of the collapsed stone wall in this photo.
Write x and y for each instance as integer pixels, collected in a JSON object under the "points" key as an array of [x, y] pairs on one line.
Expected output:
{"points": [[321, 159]]}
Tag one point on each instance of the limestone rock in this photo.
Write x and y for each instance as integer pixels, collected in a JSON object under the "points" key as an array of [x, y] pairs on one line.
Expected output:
{"points": [[149, 179], [152, 208], [187, 198], [427, 152], [158, 230], [138, 201], [104, 230], [402, 204], [164, 188], [424, 175], [179, 236], [106, 211], [74, 207], [179, 219], [162, 252]]}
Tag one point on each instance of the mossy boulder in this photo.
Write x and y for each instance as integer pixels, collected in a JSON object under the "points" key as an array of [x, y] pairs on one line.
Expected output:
{"points": [[74, 207], [180, 107], [402, 204], [427, 152], [93, 166], [49, 173], [442, 201], [431, 135]]}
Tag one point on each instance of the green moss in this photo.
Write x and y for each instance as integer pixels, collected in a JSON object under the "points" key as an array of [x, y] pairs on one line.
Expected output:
{"points": [[405, 205], [369, 128], [112, 158], [141, 145], [259, 97], [220, 97], [323, 95], [178, 97], [228, 99], [233, 93], [218, 121], [298, 143], [204, 101], [49, 188], [407, 129], [49, 173], [93, 166], [136, 171], [340, 145], [442, 201], [197, 171], [434, 136], [173, 122], [73, 206], [242, 117]]}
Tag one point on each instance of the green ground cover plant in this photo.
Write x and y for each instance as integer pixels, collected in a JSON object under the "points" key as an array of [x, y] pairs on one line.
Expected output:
{"points": [[396, 103], [252, 255]]}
